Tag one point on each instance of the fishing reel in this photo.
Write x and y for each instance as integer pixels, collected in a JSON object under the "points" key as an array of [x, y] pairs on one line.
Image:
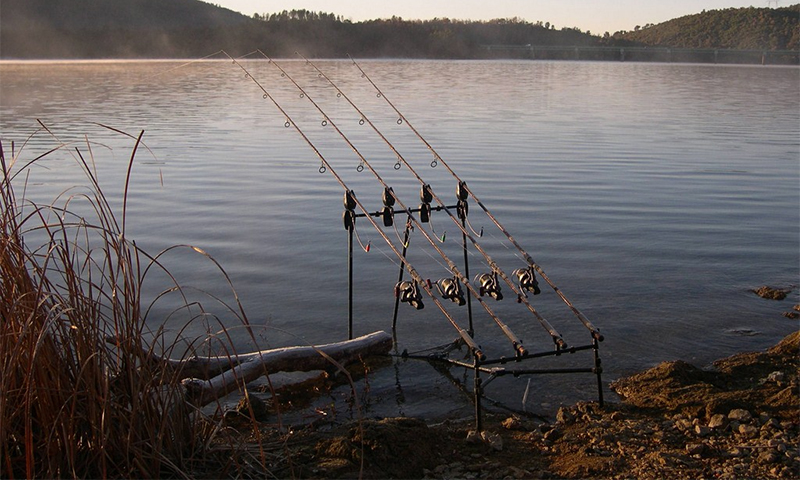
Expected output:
{"points": [[489, 285], [408, 292], [527, 280], [450, 288]]}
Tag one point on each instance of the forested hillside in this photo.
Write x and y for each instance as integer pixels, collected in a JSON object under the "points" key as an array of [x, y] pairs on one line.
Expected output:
{"points": [[736, 28], [88, 14], [109, 28], [395, 37], [192, 28]]}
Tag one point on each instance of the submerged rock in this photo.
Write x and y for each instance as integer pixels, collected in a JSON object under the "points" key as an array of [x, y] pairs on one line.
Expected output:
{"points": [[772, 293]]}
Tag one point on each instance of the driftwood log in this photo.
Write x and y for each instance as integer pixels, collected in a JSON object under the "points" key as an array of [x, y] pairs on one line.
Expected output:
{"points": [[207, 379]]}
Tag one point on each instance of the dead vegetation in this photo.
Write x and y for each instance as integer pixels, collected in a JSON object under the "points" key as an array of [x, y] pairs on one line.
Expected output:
{"points": [[82, 396]]}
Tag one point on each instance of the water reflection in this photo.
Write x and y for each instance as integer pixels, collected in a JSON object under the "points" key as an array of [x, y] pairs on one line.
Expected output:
{"points": [[655, 195]]}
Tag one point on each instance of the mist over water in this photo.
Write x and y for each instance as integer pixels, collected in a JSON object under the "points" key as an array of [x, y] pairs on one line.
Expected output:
{"points": [[654, 195]]}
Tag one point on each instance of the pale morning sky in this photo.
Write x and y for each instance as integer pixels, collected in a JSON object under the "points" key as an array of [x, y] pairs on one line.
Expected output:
{"points": [[597, 16]]}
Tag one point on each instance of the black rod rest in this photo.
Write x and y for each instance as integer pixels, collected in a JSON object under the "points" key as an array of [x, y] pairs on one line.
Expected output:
{"points": [[426, 194], [547, 353], [409, 210]]}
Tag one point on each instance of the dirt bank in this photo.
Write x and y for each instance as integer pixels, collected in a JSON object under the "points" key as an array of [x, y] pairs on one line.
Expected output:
{"points": [[737, 420]]}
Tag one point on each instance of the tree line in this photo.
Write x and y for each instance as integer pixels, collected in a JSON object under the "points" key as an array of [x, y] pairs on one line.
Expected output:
{"points": [[732, 28], [191, 28]]}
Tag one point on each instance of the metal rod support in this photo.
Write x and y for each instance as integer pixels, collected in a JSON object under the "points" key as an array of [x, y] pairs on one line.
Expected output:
{"points": [[402, 268], [350, 282], [598, 367], [478, 394], [409, 210], [466, 273]]}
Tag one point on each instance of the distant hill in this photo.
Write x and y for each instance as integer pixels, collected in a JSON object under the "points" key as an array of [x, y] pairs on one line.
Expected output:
{"points": [[90, 14], [734, 28], [193, 28], [109, 28]]}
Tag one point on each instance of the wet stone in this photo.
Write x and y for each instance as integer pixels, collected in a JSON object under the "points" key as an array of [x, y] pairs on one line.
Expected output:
{"points": [[717, 422], [777, 445], [564, 416], [737, 452], [683, 424], [748, 431], [473, 437], [776, 377], [695, 448], [701, 431], [553, 435], [771, 293], [771, 424], [494, 440], [768, 456], [512, 423], [740, 415]]}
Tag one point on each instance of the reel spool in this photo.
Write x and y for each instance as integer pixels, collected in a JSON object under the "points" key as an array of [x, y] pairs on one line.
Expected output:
{"points": [[527, 280], [451, 289], [489, 285], [409, 293]]}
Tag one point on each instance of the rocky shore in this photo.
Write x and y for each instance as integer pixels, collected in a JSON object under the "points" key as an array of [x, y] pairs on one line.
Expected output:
{"points": [[738, 419]]}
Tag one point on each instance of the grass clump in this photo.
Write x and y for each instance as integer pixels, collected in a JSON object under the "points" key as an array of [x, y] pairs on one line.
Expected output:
{"points": [[81, 394]]}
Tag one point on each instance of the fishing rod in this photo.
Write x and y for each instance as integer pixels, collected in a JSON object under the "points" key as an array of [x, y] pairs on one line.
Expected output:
{"points": [[462, 184], [351, 201], [388, 191], [531, 282]]}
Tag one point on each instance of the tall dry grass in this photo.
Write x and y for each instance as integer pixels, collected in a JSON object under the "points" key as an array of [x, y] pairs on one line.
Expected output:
{"points": [[80, 394]]}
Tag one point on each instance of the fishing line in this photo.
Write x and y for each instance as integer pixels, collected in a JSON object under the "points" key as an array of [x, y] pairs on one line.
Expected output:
{"points": [[438, 158], [217, 53], [436, 235], [396, 232], [469, 224], [461, 195], [479, 355], [358, 238], [437, 260], [383, 252], [503, 243], [516, 342]]}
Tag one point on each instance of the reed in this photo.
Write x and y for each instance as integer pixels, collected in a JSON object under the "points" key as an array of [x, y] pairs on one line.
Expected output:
{"points": [[80, 394]]}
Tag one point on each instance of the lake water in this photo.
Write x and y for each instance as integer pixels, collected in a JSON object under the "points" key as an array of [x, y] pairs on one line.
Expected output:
{"points": [[654, 195]]}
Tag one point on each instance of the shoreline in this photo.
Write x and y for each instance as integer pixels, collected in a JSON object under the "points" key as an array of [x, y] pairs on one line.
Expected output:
{"points": [[736, 419]]}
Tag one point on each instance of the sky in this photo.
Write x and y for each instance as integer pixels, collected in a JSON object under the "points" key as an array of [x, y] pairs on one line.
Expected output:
{"points": [[596, 16]]}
